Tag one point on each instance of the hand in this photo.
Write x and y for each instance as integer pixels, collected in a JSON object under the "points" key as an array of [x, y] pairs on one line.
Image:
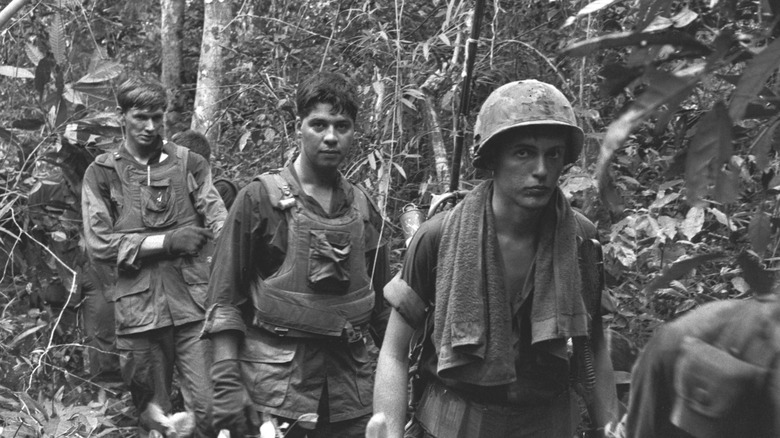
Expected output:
{"points": [[232, 408], [377, 426], [186, 241]]}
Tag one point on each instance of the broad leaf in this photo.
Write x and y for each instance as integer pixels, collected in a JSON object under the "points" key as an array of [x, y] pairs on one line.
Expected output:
{"points": [[104, 71], [762, 144], [759, 232], [753, 79], [594, 6], [33, 53], [57, 39], [16, 72], [27, 124], [693, 223], [649, 9], [623, 39], [684, 17], [43, 74], [678, 269], [759, 279], [710, 148]]}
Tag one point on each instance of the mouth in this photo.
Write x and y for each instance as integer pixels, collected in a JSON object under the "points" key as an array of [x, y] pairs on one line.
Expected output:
{"points": [[537, 191]]}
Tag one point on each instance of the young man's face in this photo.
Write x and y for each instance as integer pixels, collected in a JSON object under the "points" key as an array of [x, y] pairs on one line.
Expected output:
{"points": [[527, 168], [325, 138], [142, 126]]}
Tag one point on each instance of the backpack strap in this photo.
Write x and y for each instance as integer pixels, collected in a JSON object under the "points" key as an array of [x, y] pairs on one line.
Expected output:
{"points": [[278, 189], [362, 201]]}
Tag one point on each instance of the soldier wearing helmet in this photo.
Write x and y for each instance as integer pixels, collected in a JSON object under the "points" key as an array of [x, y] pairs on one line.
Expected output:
{"points": [[503, 293]]}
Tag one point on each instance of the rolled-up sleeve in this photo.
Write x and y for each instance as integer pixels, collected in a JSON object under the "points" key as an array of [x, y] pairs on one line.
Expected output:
{"points": [[236, 262], [412, 291], [103, 243]]}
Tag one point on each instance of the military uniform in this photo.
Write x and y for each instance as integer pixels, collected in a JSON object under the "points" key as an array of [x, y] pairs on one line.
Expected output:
{"points": [[299, 283], [159, 300]]}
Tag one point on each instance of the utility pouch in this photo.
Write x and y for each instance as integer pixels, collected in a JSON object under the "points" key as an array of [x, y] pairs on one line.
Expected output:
{"points": [[715, 392], [157, 203], [329, 261]]}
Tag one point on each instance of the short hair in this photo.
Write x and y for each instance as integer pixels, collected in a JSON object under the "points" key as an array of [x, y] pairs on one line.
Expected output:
{"points": [[194, 141], [327, 87], [141, 92]]}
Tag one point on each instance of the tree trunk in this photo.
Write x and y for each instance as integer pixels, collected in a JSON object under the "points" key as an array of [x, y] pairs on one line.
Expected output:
{"points": [[172, 34], [216, 16]]}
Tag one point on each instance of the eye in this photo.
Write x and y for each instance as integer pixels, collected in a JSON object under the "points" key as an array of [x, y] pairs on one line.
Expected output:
{"points": [[555, 153], [523, 152], [343, 126], [317, 124]]}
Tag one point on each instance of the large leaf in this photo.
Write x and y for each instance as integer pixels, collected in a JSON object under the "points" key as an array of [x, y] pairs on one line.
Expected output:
{"points": [[27, 124], [16, 72], [710, 148], [57, 39], [594, 6], [104, 71], [678, 269], [693, 223], [762, 144], [759, 232], [759, 279], [43, 74], [648, 10], [662, 88], [753, 79], [33, 53], [622, 39]]}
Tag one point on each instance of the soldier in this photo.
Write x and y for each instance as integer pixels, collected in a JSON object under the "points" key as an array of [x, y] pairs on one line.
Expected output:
{"points": [[151, 210], [198, 143], [297, 280], [712, 373], [501, 287]]}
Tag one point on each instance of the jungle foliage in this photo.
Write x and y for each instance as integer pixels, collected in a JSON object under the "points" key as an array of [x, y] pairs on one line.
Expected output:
{"points": [[679, 101]]}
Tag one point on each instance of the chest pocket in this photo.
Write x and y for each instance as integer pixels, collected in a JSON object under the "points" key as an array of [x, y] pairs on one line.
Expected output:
{"points": [[157, 204], [329, 261]]}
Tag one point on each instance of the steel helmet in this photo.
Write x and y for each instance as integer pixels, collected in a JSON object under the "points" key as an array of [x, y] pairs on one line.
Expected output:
{"points": [[524, 103]]}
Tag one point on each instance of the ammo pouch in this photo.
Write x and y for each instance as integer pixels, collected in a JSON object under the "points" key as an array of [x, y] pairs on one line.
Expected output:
{"points": [[718, 394]]}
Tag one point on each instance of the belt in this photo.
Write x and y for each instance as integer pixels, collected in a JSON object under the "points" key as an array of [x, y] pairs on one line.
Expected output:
{"points": [[349, 334], [443, 412]]}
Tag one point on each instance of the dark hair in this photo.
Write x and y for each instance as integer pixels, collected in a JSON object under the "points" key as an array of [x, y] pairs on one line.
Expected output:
{"points": [[194, 141], [327, 87], [141, 92]]}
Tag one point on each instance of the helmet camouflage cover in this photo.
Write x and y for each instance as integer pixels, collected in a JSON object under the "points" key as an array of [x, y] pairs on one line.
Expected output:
{"points": [[524, 103]]}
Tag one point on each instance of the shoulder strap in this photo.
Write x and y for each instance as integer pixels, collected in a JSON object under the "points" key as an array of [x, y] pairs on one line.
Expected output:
{"points": [[591, 261], [279, 193], [107, 159]]}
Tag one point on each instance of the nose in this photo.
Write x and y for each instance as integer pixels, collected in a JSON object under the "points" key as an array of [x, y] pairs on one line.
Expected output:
{"points": [[330, 136], [541, 168], [150, 125]]}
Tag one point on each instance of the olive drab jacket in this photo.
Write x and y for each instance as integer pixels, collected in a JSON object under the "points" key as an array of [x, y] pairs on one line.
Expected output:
{"points": [[123, 202]]}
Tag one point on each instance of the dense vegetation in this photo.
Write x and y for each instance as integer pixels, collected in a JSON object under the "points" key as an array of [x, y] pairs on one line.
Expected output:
{"points": [[679, 101]]}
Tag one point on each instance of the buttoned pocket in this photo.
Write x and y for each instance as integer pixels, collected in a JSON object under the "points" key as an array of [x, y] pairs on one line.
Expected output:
{"points": [[714, 390], [134, 302], [157, 203], [197, 278], [329, 261], [266, 366]]}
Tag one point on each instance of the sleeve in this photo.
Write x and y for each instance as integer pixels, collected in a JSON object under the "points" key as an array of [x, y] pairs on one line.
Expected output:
{"points": [[102, 243], [412, 291], [207, 200], [235, 261]]}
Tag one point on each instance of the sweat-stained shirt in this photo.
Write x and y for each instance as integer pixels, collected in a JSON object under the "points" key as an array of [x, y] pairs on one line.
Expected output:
{"points": [[161, 290], [286, 376]]}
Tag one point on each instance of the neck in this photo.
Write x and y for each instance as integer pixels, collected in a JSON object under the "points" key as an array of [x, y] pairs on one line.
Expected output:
{"points": [[142, 154], [311, 177], [515, 220]]}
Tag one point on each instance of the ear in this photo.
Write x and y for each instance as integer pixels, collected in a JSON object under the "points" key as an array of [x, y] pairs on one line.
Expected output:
{"points": [[298, 123], [120, 115]]}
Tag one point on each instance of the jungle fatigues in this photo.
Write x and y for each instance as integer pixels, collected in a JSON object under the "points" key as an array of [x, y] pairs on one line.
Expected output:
{"points": [[296, 282], [159, 300], [711, 373], [538, 401]]}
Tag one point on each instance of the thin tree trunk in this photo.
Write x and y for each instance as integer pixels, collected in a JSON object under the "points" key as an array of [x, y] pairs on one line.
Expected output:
{"points": [[172, 35], [216, 16]]}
